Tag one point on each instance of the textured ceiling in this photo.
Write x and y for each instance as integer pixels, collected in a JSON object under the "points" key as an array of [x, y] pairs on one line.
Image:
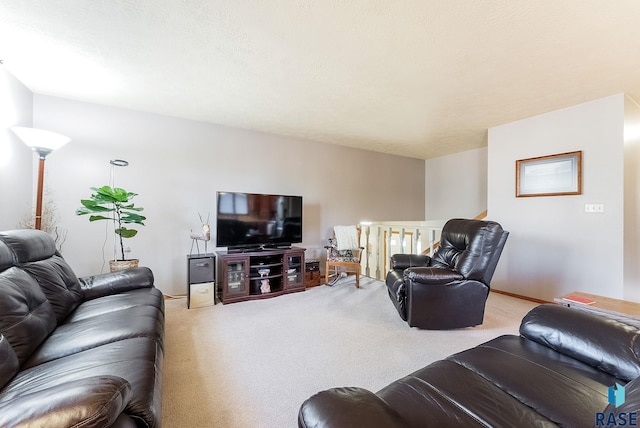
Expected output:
{"points": [[418, 78]]}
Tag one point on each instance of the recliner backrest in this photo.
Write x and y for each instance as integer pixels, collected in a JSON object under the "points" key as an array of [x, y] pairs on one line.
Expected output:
{"points": [[471, 248], [34, 251]]}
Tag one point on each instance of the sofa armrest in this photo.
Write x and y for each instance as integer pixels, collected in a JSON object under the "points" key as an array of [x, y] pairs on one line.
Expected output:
{"points": [[105, 284], [432, 275], [404, 261], [93, 402], [606, 344], [348, 407]]}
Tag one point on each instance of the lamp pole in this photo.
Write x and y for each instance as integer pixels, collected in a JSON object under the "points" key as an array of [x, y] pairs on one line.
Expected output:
{"points": [[41, 157]]}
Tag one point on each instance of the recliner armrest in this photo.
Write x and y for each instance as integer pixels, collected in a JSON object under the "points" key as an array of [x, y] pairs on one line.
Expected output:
{"points": [[105, 284], [432, 275], [404, 261], [93, 402], [348, 407]]}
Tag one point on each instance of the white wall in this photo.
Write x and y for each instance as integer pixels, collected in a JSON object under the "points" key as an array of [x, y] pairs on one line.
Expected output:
{"points": [[456, 185], [631, 200], [178, 165], [16, 159], [554, 246]]}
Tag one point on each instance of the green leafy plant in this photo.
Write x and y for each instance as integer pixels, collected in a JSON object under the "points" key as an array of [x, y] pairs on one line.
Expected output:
{"points": [[107, 199]]}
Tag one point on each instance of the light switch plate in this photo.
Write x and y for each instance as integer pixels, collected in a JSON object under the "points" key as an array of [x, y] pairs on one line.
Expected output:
{"points": [[593, 208]]}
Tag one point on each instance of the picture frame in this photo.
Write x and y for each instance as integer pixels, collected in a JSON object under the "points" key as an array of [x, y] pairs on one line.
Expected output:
{"points": [[552, 175]]}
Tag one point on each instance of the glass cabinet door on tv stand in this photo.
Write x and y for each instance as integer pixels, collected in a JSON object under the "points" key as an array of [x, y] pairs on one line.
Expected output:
{"points": [[235, 277], [294, 265]]}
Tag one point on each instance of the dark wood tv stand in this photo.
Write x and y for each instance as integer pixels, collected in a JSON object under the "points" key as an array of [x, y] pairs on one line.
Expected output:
{"points": [[259, 274]]}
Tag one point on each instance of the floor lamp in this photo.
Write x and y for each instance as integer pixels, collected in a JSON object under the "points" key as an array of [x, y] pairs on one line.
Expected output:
{"points": [[42, 142]]}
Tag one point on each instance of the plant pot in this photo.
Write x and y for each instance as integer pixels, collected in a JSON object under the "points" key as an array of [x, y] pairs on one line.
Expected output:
{"points": [[116, 265]]}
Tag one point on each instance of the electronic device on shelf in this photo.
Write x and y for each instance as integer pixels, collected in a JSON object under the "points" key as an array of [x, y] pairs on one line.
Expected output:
{"points": [[252, 221]]}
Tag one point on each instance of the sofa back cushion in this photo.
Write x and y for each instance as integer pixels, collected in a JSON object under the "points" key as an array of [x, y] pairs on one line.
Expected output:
{"points": [[8, 361], [35, 252], [26, 316], [603, 343], [6, 257]]}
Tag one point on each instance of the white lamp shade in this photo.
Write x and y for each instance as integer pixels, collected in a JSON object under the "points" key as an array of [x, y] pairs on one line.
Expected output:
{"points": [[42, 141]]}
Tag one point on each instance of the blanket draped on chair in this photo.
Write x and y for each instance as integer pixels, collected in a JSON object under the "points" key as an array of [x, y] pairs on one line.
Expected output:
{"points": [[346, 237]]}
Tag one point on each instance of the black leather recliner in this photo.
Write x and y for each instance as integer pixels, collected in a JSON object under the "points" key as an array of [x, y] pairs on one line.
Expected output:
{"points": [[450, 289]]}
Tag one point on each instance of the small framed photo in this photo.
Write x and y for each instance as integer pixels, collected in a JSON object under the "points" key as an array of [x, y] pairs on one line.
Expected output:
{"points": [[552, 175]]}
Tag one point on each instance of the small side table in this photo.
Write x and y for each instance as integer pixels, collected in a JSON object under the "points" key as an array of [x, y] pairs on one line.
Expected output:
{"points": [[312, 273], [201, 280], [623, 310]]}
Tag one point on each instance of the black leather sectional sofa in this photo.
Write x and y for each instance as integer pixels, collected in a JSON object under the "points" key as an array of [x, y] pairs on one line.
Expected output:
{"points": [[560, 371], [75, 352]]}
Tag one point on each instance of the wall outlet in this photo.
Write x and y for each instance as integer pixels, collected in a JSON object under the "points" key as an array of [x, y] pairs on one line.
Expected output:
{"points": [[593, 208]]}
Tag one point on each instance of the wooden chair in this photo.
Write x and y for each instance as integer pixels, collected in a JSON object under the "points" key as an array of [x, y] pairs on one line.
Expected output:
{"points": [[340, 259]]}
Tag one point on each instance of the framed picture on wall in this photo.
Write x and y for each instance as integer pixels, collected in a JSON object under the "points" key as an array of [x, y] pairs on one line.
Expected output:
{"points": [[552, 175]]}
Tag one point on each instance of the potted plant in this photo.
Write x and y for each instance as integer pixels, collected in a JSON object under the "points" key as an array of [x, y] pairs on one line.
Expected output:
{"points": [[105, 200]]}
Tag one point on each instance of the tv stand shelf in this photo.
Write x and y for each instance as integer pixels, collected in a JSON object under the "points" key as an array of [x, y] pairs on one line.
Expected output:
{"points": [[261, 274]]}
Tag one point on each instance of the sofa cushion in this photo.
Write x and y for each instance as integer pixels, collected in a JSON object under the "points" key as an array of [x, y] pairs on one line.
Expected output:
{"points": [[73, 337], [27, 317], [565, 390], [446, 394], [29, 244], [8, 361], [94, 402], [137, 360], [606, 344], [6, 257], [348, 407], [118, 302], [35, 252], [59, 284]]}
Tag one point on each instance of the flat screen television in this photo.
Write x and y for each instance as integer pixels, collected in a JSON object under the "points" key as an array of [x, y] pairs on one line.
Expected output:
{"points": [[252, 220]]}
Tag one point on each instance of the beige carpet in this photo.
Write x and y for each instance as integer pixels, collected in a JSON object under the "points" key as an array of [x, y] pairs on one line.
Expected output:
{"points": [[252, 364]]}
